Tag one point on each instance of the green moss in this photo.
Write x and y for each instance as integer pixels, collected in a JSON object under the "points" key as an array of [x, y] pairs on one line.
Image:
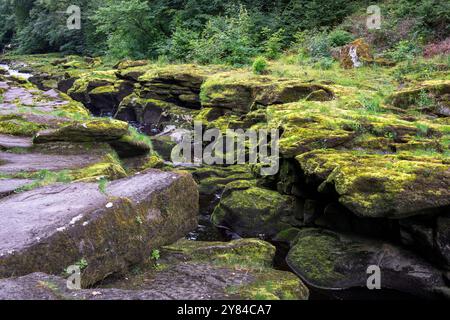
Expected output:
{"points": [[16, 125], [243, 253], [273, 285], [313, 257]]}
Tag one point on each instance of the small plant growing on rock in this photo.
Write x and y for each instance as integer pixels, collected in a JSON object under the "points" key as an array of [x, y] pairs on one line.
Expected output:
{"points": [[260, 65], [102, 183], [156, 255]]}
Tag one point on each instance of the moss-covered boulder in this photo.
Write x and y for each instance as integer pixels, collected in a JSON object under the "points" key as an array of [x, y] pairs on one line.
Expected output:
{"points": [[355, 54], [213, 180], [125, 64], [124, 140], [100, 92], [373, 185], [244, 92], [109, 227], [251, 211], [333, 261]]}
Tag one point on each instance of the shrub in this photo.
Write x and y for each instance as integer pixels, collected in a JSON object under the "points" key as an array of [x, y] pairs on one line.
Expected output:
{"points": [[404, 50], [339, 38], [260, 65], [274, 44], [324, 63], [181, 45], [314, 43]]}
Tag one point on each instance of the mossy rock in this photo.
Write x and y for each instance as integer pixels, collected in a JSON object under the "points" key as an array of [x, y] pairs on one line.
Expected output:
{"points": [[254, 211], [332, 261], [125, 64], [154, 114], [241, 270], [363, 53], [127, 146], [96, 130], [253, 255], [243, 92], [17, 125], [373, 185]]}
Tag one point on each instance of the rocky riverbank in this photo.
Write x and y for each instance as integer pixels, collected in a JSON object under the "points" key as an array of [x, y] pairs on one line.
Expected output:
{"points": [[364, 179]]}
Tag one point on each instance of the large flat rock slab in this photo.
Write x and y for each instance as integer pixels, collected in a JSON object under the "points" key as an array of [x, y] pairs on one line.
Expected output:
{"points": [[8, 142], [31, 162], [111, 228], [8, 186]]}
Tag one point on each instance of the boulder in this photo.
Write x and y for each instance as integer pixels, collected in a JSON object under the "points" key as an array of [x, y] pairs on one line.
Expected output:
{"points": [[251, 211], [114, 132], [178, 84], [125, 64], [355, 54], [109, 227], [186, 270], [9, 142], [332, 261], [212, 181]]}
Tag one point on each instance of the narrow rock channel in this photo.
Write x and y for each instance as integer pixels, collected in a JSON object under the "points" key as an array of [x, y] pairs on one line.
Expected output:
{"points": [[339, 204]]}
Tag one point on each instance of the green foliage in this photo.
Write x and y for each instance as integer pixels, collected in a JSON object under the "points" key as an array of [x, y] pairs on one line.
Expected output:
{"points": [[259, 65], [274, 43], [324, 63], [226, 40], [128, 26], [316, 44], [102, 184], [404, 50], [156, 255], [181, 45], [340, 37], [214, 31], [371, 104]]}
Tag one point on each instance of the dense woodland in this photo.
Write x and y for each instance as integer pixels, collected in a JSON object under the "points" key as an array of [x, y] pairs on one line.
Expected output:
{"points": [[213, 31]]}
